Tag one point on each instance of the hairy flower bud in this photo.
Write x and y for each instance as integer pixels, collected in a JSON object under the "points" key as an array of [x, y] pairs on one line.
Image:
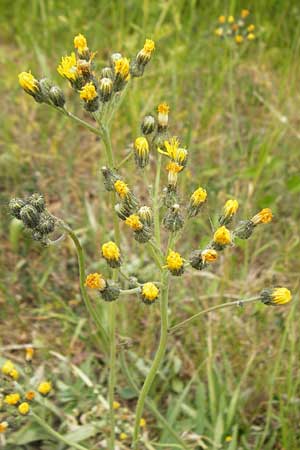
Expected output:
{"points": [[148, 124], [38, 201], [57, 96], [221, 239], [173, 220], [111, 291], [244, 229], [229, 210], [107, 72], [276, 296], [163, 116], [141, 152], [15, 206], [146, 215], [105, 89], [110, 178], [123, 210], [46, 224], [197, 200], [30, 216]]}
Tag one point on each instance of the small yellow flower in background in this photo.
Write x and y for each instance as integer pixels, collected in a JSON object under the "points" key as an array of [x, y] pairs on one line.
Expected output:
{"points": [[95, 281], [251, 36], [175, 263], [230, 19], [228, 439], [29, 352], [123, 436], [116, 405], [163, 115], [133, 221], [143, 423], [24, 408], [245, 13], [149, 293], [88, 92], [235, 27], [122, 189], [12, 399], [219, 31], [209, 255], [112, 254], [122, 68], [276, 296], [251, 28], [28, 82], [80, 43], [222, 236], [222, 19], [264, 216], [198, 196], [67, 68], [7, 367], [14, 374], [30, 395], [231, 207], [3, 426], [45, 387], [239, 39]]}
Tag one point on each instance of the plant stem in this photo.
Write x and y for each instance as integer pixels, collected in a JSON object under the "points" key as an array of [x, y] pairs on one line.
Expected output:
{"points": [[213, 308], [156, 206], [55, 434], [76, 119]]}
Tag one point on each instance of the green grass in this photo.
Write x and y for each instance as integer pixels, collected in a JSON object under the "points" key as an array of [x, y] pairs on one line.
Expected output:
{"points": [[231, 374]]}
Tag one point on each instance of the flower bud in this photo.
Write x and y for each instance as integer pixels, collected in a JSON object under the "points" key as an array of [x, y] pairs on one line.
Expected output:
{"points": [[149, 293], [163, 116], [244, 229], [148, 124], [229, 210], [45, 86], [90, 97], [105, 89], [30, 216], [38, 201], [115, 57], [110, 178], [221, 239], [80, 43], [264, 216], [276, 296], [111, 253], [197, 200], [111, 291], [144, 55], [122, 210], [175, 263], [173, 220], [122, 74], [125, 194], [141, 152], [143, 235], [46, 224], [15, 206], [31, 86], [146, 215], [196, 260], [57, 96], [107, 72]]}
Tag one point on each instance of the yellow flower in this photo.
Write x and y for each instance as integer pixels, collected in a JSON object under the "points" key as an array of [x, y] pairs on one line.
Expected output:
{"points": [[67, 68], [163, 108], [251, 28], [228, 439], [163, 114], [122, 189], [28, 82], [95, 281], [149, 292], [149, 46], [174, 261], [230, 207], [45, 387], [14, 374], [110, 251], [199, 196], [174, 152], [251, 37], [141, 146], [80, 43], [123, 436], [245, 13], [116, 405], [24, 408], [7, 367], [239, 39], [173, 169], [276, 296], [29, 353], [30, 395], [3, 426], [264, 216], [143, 423], [122, 67], [88, 92], [209, 255], [219, 31], [230, 19], [12, 399], [222, 236], [222, 19], [133, 221]]}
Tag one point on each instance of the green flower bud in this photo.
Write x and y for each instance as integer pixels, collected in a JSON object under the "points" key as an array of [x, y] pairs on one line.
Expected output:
{"points": [[123, 211], [46, 224], [105, 89], [15, 206], [196, 260], [45, 86], [30, 216], [107, 72], [110, 178], [57, 96], [144, 235], [173, 220], [38, 201], [111, 291], [244, 229], [92, 106], [146, 215], [148, 124]]}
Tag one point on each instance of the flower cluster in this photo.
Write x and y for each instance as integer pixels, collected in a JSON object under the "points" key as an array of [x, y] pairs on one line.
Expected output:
{"points": [[15, 396], [240, 29]]}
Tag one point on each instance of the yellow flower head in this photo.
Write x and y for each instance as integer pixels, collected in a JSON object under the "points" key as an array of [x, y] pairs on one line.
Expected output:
{"points": [[122, 67], [141, 146], [222, 236], [14, 374], [173, 167], [230, 19], [116, 405], [251, 28], [228, 439], [45, 387], [199, 196], [239, 39], [95, 281], [163, 108], [110, 251], [12, 399], [133, 221], [174, 261], [245, 13], [29, 352], [24, 408], [209, 255], [149, 292], [219, 31], [174, 152], [149, 46], [88, 92], [143, 423], [230, 207], [251, 37], [3, 426], [68, 68], [80, 43], [264, 216], [30, 395], [28, 82], [222, 19], [123, 436], [276, 296], [163, 115], [7, 367], [122, 189]]}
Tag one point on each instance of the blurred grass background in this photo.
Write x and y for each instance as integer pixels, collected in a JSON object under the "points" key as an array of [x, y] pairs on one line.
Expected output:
{"points": [[241, 129]]}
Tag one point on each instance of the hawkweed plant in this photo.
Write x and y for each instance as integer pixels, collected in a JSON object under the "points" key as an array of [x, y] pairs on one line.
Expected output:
{"points": [[156, 226]]}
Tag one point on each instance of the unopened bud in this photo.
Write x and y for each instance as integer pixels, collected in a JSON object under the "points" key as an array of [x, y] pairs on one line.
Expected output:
{"points": [[105, 89], [173, 220], [15, 206], [146, 216], [110, 178], [244, 229], [37, 200], [46, 224], [111, 291], [107, 72], [148, 124], [30, 216], [57, 96]]}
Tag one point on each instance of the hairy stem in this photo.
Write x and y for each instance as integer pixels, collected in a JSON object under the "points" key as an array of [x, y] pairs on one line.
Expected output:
{"points": [[156, 205]]}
